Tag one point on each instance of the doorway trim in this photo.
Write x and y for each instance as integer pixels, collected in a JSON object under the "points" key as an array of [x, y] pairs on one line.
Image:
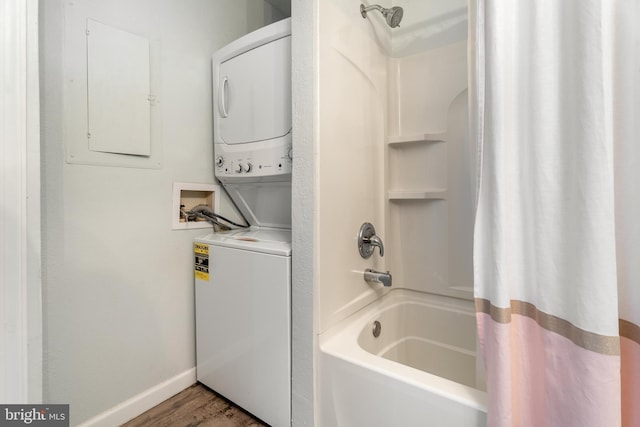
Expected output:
{"points": [[20, 235]]}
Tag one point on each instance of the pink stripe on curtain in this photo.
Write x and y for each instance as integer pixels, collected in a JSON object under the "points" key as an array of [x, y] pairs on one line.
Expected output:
{"points": [[548, 380], [630, 372]]}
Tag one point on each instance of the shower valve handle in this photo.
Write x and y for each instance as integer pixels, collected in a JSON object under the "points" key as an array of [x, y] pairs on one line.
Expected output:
{"points": [[367, 241]]}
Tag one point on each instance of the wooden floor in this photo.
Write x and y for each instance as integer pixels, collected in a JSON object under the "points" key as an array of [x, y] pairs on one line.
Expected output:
{"points": [[195, 406]]}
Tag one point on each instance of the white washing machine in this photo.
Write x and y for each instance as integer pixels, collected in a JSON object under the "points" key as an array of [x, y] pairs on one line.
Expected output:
{"points": [[243, 308], [243, 277]]}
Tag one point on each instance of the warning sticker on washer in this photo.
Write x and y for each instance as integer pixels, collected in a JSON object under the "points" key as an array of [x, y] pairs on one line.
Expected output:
{"points": [[201, 255]]}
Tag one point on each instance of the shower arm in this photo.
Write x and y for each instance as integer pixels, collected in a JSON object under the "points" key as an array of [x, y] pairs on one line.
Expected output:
{"points": [[364, 10]]}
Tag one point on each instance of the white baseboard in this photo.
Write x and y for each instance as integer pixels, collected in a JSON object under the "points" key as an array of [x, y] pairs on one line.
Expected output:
{"points": [[129, 409]]}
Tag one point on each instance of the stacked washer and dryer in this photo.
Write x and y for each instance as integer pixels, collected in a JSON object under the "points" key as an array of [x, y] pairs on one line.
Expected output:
{"points": [[243, 286]]}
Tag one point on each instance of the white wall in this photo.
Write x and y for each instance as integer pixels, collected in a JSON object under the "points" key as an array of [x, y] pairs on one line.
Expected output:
{"points": [[428, 25], [304, 81], [118, 282], [352, 99]]}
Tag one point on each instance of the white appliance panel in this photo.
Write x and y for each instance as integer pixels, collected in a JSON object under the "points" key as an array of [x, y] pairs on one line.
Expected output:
{"points": [[269, 160], [263, 204], [243, 329], [254, 94]]}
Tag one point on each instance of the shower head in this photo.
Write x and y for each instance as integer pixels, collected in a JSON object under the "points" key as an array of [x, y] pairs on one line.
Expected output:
{"points": [[393, 15]]}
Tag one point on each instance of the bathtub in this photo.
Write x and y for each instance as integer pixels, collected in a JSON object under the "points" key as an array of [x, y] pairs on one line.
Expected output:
{"points": [[419, 371]]}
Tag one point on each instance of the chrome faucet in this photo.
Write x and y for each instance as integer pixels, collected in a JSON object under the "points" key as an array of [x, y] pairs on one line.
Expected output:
{"points": [[367, 240], [372, 276], [376, 241]]}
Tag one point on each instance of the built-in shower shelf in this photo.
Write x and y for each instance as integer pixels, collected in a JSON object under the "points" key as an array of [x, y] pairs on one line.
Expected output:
{"points": [[423, 137], [438, 194]]}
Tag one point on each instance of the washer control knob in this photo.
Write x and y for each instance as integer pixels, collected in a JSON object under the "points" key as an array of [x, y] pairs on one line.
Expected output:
{"points": [[290, 153], [248, 168], [239, 168], [219, 161]]}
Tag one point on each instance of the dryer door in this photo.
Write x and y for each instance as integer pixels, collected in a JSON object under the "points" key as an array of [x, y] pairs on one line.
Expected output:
{"points": [[254, 94]]}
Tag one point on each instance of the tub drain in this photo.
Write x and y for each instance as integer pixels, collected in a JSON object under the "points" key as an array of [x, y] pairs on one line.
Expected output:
{"points": [[376, 329]]}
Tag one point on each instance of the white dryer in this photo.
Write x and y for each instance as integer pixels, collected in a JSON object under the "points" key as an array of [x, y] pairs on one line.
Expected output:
{"points": [[243, 277], [252, 124]]}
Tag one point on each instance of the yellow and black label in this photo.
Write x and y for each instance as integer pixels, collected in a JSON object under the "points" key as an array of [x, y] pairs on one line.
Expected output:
{"points": [[201, 255]]}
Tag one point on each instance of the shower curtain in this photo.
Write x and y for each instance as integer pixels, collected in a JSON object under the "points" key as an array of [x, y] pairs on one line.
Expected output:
{"points": [[556, 116]]}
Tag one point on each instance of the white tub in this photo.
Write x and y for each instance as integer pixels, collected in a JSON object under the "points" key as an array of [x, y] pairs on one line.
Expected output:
{"points": [[420, 371]]}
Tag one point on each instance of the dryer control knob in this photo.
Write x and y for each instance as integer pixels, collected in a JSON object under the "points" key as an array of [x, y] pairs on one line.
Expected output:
{"points": [[248, 168], [290, 153], [239, 168], [219, 161]]}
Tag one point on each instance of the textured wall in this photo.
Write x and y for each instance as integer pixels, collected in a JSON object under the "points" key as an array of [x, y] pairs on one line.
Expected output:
{"points": [[303, 208], [118, 282]]}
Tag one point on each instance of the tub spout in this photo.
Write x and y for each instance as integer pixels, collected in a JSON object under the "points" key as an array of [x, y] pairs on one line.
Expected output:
{"points": [[372, 276]]}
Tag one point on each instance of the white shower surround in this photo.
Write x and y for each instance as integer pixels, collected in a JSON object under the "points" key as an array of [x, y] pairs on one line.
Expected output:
{"points": [[352, 97], [392, 148], [367, 99]]}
